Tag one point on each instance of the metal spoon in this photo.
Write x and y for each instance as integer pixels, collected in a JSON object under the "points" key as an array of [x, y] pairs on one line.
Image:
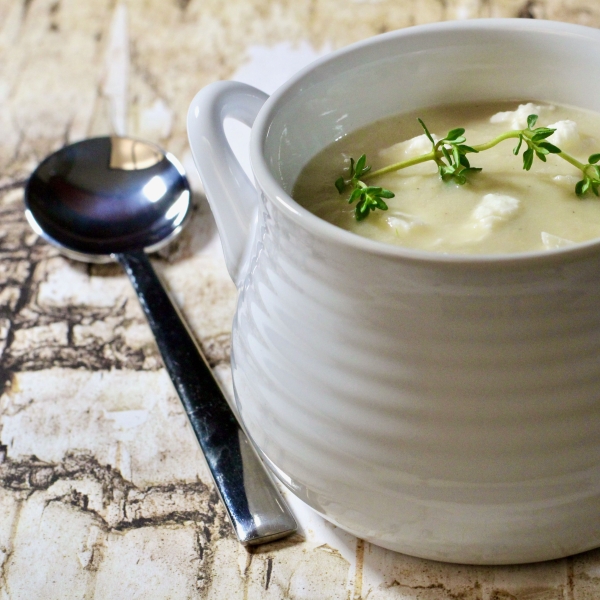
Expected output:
{"points": [[116, 199]]}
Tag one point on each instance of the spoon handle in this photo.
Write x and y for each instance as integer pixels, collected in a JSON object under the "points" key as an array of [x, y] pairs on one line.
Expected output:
{"points": [[257, 510]]}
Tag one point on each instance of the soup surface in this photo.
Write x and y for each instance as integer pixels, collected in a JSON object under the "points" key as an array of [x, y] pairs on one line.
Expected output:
{"points": [[500, 209]]}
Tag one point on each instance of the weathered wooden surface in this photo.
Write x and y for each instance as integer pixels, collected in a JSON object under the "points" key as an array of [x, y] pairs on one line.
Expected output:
{"points": [[103, 492]]}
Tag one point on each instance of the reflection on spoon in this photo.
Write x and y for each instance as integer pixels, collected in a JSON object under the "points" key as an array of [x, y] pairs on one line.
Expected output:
{"points": [[132, 155], [108, 199]]}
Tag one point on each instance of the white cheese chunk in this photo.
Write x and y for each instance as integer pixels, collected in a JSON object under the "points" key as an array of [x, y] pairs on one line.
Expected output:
{"points": [[495, 209], [417, 145], [404, 222], [492, 211], [553, 242], [518, 118], [569, 181], [408, 149], [566, 134]]}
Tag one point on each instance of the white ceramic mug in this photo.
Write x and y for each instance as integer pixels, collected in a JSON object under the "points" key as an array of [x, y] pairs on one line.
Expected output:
{"points": [[443, 406]]}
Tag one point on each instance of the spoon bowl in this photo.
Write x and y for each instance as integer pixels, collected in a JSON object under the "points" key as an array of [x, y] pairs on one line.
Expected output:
{"points": [[104, 196]]}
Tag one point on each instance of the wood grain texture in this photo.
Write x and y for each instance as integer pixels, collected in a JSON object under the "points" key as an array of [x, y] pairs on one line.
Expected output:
{"points": [[103, 491]]}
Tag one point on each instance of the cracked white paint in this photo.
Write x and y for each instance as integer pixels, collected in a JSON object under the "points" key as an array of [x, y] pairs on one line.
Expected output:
{"points": [[53, 334], [156, 122], [69, 284], [152, 573], [86, 555], [90, 488], [119, 455], [77, 409], [127, 419], [116, 75], [10, 26], [114, 532], [47, 529]]}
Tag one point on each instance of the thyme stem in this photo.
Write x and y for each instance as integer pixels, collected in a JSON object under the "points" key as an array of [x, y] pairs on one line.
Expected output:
{"points": [[437, 155], [404, 164], [478, 147], [573, 161], [505, 136]]}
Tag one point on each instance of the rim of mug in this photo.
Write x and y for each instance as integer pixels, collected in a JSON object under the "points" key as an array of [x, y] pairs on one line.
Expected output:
{"points": [[319, 226]]}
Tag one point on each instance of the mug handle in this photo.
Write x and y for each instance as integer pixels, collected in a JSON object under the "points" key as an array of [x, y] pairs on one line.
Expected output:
{"points": [[232, 197]]}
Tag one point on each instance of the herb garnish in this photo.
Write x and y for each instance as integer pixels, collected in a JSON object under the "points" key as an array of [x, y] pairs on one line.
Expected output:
{"points": [[449, 154], [369, 197]]}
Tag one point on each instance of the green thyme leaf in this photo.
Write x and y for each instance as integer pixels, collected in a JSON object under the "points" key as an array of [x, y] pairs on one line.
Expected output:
{"points": [[454, 141], [517, 149], [361, 212], [464, 149], [455, 155], [454, 134], [426, 131], [446, 154], [541, 133], [551, 148], [583, 186], [528, 158], [360, 165], [340, 184], [356, 193], [531, 121]]}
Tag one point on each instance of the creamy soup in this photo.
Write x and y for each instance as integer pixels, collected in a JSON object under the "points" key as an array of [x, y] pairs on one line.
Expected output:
{"points": [[500, 209]]}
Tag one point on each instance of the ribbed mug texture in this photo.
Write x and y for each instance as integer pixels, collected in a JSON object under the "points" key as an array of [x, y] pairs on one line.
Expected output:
{"points": [[448, 411]]}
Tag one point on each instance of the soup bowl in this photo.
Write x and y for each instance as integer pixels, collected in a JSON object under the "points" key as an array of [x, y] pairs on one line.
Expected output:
{"points": [[444, 406]]}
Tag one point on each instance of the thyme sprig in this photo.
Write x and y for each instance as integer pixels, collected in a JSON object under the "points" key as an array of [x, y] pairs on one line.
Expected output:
{"points": [[369, 198], [449, 154], [453, 164], [535, 142], [591, 176]]}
